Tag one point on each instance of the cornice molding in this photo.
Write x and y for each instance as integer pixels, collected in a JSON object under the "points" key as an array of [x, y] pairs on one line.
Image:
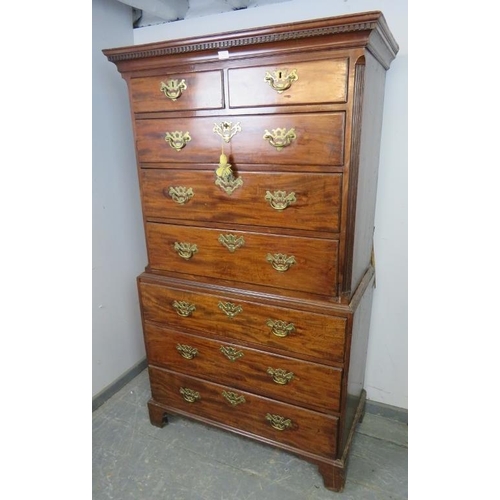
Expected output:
{"points": [[365, 22], [238, 42]]}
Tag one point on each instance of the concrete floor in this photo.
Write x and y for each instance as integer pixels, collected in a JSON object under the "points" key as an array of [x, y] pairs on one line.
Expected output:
{"points": [[189, 461]]}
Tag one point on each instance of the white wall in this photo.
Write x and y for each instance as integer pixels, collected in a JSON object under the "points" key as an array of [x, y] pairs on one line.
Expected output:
{"points": [[118, 247], [387, 367]]}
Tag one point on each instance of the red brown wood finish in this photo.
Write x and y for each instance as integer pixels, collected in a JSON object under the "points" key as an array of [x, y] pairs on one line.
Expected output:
{"points": [[317, 82], [316, 204], [310, 431], [317, 337], [285, 379], [256, 300], [313, 269], [319, 139], [147, 96]]}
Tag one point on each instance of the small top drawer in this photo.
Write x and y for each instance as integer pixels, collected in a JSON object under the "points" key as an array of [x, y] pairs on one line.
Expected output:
{"points": [[313, 82], [176, 92]]}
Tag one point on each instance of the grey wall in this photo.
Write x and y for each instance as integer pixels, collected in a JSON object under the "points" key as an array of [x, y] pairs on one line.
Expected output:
{"points": [[119, 253]]}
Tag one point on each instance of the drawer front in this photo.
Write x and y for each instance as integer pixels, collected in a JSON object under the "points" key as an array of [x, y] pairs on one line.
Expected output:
{"points": [[305, 139], [297, 332], [313, 82], [286, 379], [279, 199], [280, 422], [305, 264], [176, 92]]}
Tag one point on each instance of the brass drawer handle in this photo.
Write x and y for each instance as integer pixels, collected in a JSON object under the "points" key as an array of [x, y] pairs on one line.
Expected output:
{"points": [[230, 309], [280, 138], [233, 399], [231, 353], [278, 422], [280, 328], [185, 250], [177, 139], [280, 376], [224, 176], [231, 242], [280, 261], [186, 351], [173, 88], [184, 309], [279, 200], [189, 395], [179, 194], [281, 79], [226, 130]]}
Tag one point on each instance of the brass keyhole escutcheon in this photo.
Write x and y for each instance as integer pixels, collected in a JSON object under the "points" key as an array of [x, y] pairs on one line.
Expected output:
{"points": [[281, 79]]}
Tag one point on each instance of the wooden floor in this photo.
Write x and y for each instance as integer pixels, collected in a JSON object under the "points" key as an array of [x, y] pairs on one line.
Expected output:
{"points": [[190, 461]]}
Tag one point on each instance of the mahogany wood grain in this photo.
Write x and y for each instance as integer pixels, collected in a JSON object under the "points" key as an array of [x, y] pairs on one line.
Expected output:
{"points": [[320, 139], [357, 347], [318, 82], [310, 430], [363, 219], [315, 336], [311, 386], [314, 270], [317, 205], [204, 91], [157, 415]]}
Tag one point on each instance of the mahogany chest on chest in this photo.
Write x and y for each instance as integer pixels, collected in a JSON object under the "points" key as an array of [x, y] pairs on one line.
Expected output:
{"points": [[257, 156]]}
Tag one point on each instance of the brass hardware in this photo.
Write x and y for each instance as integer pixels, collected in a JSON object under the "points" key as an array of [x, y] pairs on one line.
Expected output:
{"points": [[279, 200], [225, 178], [186, 351], [230, 309], [280, 328], [280, 376], [177, 139], [233, 399], [230, 184], [226, 130], [280, 261], [280, 138], [278, 422], [179, 194], [184, 309], [185, 250], [231, 242], [231, 353], [280, 79], [173, 88], [189, 395]]}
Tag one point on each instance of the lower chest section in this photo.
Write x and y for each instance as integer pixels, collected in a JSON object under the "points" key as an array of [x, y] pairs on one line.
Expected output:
{"points": [[257, 366]]}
